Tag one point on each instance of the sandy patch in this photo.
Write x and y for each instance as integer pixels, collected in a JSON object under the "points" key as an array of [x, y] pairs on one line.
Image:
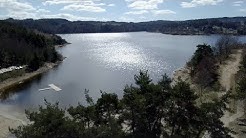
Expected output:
{"points": [[10, 117], [227, 73], [227, 81], [230, 68]]}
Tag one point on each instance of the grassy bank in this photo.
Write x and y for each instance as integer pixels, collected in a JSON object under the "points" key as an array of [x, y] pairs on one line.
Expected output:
{"points": [[12, 74]]}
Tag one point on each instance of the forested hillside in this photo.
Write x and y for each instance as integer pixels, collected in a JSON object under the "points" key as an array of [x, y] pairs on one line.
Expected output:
{"points": [[233, 25], [21, 46]]}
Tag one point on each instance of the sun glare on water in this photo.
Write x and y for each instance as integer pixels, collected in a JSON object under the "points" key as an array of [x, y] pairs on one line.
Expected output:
{"points": [[116, 51]]}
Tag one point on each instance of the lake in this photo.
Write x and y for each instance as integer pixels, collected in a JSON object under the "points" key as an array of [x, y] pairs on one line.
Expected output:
{"points": [[107, 62]]}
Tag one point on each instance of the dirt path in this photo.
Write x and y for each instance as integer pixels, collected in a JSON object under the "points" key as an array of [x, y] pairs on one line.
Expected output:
{"points": [[227, 81], [227, 73], [230, 68]]}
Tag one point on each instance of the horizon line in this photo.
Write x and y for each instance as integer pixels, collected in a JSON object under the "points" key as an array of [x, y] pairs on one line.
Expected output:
{"points": [[9, 18]]}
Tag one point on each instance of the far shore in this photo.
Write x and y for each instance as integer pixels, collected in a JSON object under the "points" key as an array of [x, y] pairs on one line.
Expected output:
{"points": [[12, 82]]}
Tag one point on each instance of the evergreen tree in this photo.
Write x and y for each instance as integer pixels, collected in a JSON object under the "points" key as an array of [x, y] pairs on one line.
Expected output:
{"points": [[49, 122], [35, 63], [146, 110]]}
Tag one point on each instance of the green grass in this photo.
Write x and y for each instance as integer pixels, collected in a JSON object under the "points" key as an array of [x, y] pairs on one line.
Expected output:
{"points": [[12, 74]]}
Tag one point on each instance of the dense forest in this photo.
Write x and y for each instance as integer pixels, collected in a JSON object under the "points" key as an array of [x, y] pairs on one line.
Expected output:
{"points": [[226, 25], [21, 46]]}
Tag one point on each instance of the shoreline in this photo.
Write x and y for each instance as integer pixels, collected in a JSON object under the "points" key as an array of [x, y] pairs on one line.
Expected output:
{"points": [[10, 118], [62, 45], [12, 82], [15, 81]]}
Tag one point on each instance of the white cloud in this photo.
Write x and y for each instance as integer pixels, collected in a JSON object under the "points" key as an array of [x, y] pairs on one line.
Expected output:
{"points": [[126, 19], [68, 17], [242, 10], [195, 3], [238, 3], [137, 12], [140, 7], [81, 7], [155, 12], [144, 4], [55, 2], [16, 9], [163, 12], [14, 5], [142, 17], [43, 11], [22, 15], [111, 5], [24, 10]]}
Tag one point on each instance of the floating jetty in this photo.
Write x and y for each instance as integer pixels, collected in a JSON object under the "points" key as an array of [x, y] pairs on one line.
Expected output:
{"points": [[51, 86], [55, 87], [44, 89]]}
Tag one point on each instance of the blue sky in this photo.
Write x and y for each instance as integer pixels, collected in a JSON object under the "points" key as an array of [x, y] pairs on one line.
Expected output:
{"points": [[121, 10]]}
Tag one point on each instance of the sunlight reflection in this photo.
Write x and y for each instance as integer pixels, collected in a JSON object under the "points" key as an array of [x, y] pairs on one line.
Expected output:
{"points": [[121, 55], [120, 51]]}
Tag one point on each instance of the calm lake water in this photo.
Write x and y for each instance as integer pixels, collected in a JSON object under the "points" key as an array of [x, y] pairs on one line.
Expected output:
{"points": [[107, 62]]}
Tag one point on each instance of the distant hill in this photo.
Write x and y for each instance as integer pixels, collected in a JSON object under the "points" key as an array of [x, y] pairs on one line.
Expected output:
{"points": [[225, 25], [21, 46]]}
